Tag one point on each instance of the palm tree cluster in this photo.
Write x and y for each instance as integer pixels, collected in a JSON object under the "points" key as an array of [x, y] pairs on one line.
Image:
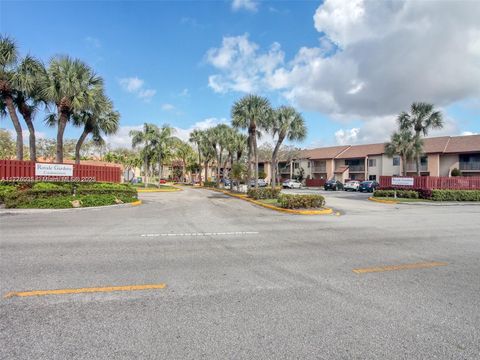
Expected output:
{"points": [[68, 89], [407, 140]]}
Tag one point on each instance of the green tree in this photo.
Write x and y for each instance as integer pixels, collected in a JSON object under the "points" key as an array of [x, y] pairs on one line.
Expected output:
{"points": [[196, 138], [405, 144], [421, 119], [98, 121], [162, 144], [207, 151], [72, 86], [218, 139], [187, 156], [8, 62], [252, 112], [7, 145], [286, 123], [144, 137]]}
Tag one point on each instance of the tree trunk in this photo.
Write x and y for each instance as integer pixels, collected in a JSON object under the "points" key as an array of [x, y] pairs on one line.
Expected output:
{"points": [[250, 157], [274, 161], [256, 160], [199, 165], [404, 166], [78, 147], [159, 167], [16, 124], [145, 169], [62, 124], [231, 171], [417, 160], [206, 171], [27, 117]]}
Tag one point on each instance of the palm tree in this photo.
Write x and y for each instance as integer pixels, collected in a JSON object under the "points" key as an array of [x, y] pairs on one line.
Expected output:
{"points": [[100, 120], [289, 124], [28, 79], [8, 61], [251, 112], [421, 120], [186, 154], [162, 142], [405, 144], [218, 138], [144, 137], [206, 150], [71, 86], [196, 138]]}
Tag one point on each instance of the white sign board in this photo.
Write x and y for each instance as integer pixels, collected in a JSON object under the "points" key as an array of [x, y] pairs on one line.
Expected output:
{"points": [[42, 169], [402, 181]]}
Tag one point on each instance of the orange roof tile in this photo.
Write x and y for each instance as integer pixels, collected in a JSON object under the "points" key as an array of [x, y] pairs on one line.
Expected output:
{"points": [[360, 151], [324, 153], [462, 144]]}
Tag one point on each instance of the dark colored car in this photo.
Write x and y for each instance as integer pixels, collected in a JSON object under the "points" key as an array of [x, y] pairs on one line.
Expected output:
{"points": [[368, 186], [333, 185]]}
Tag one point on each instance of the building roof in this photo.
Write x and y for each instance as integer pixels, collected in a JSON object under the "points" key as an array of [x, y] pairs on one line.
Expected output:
{"points": [[324, 153], [361, 151], [435, 145], [459, 144]]}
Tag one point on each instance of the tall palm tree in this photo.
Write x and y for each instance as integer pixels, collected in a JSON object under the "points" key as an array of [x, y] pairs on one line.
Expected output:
{"points": [[251, 112], [144, 137], [421, 119], [236, 145], [28, 79], [196, 138], [72, 86], [8, 62], [185, 152], [218, 138], [100, 120], [162, 143], [405, 144], [206, 150], [286, 123]]}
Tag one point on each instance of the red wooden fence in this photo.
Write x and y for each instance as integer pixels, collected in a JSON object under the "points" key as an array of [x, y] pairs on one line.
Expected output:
{"points": [[434, 182], [11, 170], [315, 182]]}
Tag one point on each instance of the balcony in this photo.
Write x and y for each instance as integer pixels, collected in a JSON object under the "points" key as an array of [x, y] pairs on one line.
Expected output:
{"points": [[412, 167], [356, 168], [319, 169], [285, 170], [470, 166]]}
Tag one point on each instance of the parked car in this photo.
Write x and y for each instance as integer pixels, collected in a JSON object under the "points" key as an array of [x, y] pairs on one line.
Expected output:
{"points": [[333, 185], [163, 181], [368, 186], [352, 185], [261, 183], [292, 184]]}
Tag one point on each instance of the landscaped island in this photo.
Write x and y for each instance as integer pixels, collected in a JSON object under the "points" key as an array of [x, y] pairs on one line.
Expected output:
{"points": [[61, 195], [427, 195]]}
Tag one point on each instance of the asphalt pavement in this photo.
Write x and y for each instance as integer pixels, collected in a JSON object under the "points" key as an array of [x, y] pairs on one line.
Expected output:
{"points": [[242, 281]]}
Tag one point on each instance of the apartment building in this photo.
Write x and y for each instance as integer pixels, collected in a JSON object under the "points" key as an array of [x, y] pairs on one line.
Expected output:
{"points": [[369, 161]]}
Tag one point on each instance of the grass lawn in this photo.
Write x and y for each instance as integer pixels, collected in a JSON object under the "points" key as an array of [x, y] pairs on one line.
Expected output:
{"points": [[270, 202]]}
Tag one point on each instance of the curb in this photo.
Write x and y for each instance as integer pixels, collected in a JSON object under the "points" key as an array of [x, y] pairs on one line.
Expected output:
{"points": [[45, 211], [158, 190], [392, 202], [326, 211], [136, 203]]}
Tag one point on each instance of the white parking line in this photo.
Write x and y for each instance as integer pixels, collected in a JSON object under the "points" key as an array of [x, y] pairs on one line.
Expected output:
{"points": [[202, 234]]}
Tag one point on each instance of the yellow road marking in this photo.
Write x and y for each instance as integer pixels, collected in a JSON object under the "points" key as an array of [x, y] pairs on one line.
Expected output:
{"points": [[422, 265], [85, 290]]}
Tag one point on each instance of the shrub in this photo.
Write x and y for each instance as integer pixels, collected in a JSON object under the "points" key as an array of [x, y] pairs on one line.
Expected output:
{"points": [[406, 194], [456, 195], [288, 201], [456, 172], [263, 193], [210, 184], [4, 190]]}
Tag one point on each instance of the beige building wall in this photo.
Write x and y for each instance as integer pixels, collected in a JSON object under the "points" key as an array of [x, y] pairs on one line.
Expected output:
{"points": [[433, 164], [448, 163], [330, 166], [374, 170], [387, 166]]}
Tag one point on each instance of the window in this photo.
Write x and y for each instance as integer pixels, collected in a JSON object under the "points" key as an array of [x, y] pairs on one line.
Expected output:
{"points": [[352, 162], [396, 161], [295, 165], [372, 177], [309, 164], [372, 162]]}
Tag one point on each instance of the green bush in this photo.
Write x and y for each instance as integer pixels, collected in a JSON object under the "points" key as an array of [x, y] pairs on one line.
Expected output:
{"points": [[57, 202], [456, 195], [263, 193], [42, 186], [4, 190], [210, 184], [405, 194], [288, 201]]}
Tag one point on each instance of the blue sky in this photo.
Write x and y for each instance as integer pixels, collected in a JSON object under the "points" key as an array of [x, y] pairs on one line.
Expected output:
{"points": [[185, 62]]}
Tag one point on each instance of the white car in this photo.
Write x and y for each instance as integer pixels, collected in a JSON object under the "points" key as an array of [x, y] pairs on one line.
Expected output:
{"points": [[352, 186], [292, 184]]}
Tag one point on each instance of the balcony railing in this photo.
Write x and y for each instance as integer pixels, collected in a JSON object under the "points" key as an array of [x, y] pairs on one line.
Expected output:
{"points": [[413, 167], [470, 165], [355, 168], [319, 169], [285, 170]]}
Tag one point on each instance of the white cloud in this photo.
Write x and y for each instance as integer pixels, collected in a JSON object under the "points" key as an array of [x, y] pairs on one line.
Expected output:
{"points": [[373, 59], [167, 107], [249, 5], [135, 85], [242, 67], [465, 133], [184, 133], [345, 137], [93, 42]]}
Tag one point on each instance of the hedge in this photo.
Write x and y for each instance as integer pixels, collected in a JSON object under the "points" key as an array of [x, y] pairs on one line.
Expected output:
{"points": [[289, 201], [456, 195], [406, 194], [263, 193], [210, 184], [59, 195]]}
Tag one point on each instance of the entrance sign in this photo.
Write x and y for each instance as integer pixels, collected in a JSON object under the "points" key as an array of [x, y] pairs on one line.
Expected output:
{"points": [[42, 169], [402, 181]]}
